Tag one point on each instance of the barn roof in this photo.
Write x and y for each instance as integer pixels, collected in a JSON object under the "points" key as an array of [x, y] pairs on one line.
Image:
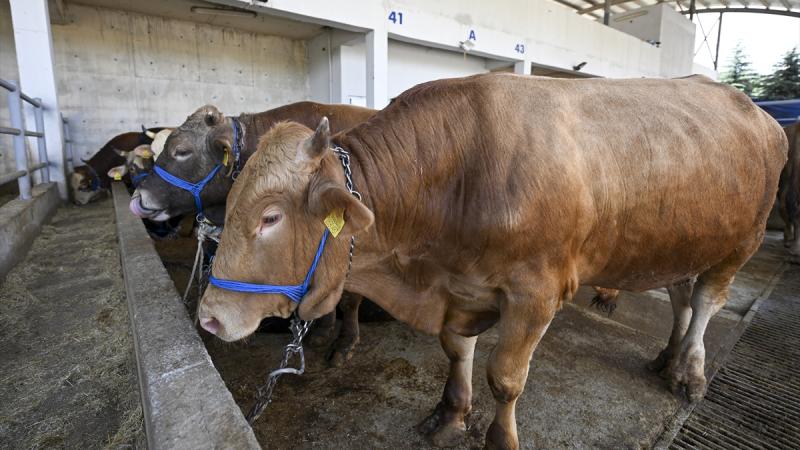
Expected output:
{"points": [[594, 8]]}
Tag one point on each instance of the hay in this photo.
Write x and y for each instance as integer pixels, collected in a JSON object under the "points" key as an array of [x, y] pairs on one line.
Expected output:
{"points": [[68, 377]]}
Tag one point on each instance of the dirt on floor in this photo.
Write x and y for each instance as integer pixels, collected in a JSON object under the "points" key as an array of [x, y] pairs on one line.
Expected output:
{"points": [[68, 375]]}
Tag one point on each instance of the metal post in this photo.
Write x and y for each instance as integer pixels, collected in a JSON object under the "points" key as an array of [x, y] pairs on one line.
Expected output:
{"points": [[719, 36], [691, 10], [67, 144], [607, 12], [20, 155], [40, 142]]}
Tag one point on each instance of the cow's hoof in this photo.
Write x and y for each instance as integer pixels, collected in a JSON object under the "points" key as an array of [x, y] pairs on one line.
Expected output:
{"points": [[342, 350], [687, 376], [442, 434], [660, 363], [448, 435], [430, 423]]}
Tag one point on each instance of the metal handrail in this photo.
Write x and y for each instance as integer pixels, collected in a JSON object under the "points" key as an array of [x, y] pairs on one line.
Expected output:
{"points": [[19, 133]]}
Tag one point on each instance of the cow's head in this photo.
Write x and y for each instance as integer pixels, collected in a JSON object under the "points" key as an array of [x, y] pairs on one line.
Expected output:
{"points": [[190, 152], [84, 185], [138, 163], [273, 225]]}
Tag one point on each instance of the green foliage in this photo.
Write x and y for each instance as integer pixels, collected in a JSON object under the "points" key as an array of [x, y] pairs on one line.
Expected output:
{"points": [[784, 82], [739, 72]]}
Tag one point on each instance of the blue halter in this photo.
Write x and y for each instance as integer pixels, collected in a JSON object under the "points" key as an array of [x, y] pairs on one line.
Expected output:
{"points": [[138, 178], [196, 188], [294, 292], [95, 177]]}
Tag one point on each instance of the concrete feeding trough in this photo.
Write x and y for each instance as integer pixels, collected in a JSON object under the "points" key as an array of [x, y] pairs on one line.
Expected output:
{"points": [[184, 400]]}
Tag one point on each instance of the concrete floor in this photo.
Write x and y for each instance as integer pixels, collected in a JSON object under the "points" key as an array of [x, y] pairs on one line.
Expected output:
{"points": [[588, 386]]}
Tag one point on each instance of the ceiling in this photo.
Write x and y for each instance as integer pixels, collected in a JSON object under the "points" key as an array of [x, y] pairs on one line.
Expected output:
{"points": [[181, 9], [594, 8]]}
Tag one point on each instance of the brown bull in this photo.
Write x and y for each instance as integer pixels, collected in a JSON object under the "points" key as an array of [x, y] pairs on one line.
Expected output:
{"points": [[789, 192], [487, 200]]}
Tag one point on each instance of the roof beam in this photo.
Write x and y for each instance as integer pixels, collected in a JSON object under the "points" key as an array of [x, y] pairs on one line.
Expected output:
{"points": [[777, 12]]}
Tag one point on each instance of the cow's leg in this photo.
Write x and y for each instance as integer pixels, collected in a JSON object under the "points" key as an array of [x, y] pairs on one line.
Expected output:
{"points": [[794, 244], [349, 333], [680, 295], [520, 328], [323, 330], [445, 427], [687, 367]]}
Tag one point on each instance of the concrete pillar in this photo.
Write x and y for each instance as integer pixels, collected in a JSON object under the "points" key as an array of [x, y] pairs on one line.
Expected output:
{"points": [[34, 45], [523, 67], [377, 68]]}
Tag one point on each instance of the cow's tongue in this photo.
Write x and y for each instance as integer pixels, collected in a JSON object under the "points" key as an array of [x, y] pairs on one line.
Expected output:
{"points": [[136, 208]]}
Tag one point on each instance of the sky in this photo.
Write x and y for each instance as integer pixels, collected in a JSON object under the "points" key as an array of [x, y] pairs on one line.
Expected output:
{"points": [[765, 38]]}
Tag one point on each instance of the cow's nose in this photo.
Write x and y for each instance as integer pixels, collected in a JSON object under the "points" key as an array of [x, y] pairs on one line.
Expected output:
{"points": [[210, 324]]}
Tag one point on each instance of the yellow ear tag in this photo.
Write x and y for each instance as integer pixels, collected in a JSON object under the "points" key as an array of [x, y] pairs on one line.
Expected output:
{"points": [[335, 221], [225, 158], [117, 176]]}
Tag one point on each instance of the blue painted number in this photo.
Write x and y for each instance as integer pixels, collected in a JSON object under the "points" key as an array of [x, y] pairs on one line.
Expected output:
{"points": [[520, 48], [396, 17]]}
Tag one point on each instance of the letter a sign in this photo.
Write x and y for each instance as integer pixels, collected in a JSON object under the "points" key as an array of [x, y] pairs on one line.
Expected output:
{"points": [[472, 36]]}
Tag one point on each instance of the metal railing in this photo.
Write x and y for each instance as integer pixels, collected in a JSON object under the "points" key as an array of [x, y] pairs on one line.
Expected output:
{"points": [[67, 144], [19, 133]]}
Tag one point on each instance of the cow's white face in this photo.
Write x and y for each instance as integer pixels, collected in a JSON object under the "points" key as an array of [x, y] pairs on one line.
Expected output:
{"points": [[81, 186]]}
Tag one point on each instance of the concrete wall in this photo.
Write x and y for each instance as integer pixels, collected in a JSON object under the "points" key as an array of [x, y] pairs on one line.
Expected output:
{"points": [[116, 70], [552, 34], [674, 33], [409, 65]]}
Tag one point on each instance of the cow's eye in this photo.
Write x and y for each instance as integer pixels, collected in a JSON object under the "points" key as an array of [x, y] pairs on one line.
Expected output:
{"points": [[182, 153], [271, 219]]}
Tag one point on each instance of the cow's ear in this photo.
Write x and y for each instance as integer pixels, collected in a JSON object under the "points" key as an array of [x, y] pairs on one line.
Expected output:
{"points": [[312, 149], [213, 116], [329, 199], [143, 151], [116, 173]]}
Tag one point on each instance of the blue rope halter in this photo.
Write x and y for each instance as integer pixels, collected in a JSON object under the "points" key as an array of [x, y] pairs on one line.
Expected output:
{"points": [[294, 292], [196, 188], [95, 177], [138, 178]]}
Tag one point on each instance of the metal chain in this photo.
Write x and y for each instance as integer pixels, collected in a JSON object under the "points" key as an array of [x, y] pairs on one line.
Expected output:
{"points": [[264, 393], [300, 327], [205, 230], [344, 157]]}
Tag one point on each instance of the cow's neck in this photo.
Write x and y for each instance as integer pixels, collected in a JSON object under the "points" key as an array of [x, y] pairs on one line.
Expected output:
{"points": [[386, 170], [252, 131]]}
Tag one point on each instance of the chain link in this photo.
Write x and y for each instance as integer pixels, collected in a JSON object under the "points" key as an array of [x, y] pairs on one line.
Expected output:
{"points": [[344, 157], [300, 327], [264, 393]]}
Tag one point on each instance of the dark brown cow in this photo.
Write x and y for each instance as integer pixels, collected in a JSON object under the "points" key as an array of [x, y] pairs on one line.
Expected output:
{"points": [[200, 143], [789, 192], [492, 198], [89, 181]]}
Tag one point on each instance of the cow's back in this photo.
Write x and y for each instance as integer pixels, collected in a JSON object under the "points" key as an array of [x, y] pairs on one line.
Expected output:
{"points": [[310, 114], [635, 183]]}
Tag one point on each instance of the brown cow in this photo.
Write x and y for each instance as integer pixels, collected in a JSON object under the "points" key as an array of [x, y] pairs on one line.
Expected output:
{"points": [[89, 182], [200, 143], [493, 197], [789, 192]]}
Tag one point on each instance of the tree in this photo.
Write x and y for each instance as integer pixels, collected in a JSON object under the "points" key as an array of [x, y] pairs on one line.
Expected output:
{"points": [[784, 82], [739, 73]]}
